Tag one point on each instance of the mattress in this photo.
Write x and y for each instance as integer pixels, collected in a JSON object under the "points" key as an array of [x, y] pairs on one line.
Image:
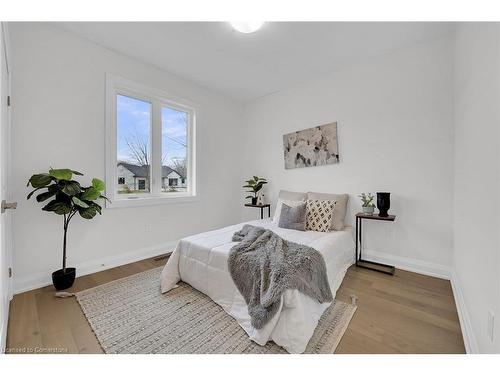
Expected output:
{"points": [[201, 261]]}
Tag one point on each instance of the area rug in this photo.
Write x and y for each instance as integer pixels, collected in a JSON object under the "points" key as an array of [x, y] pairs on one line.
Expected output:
{"points": [[130, 315]]}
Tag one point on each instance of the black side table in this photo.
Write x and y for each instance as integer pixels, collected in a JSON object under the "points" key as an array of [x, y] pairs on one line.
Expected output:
{"points": [[360, 262], [261, 206]]}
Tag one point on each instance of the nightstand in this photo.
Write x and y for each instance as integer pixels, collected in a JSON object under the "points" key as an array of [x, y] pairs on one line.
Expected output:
{"points": [[360, 262], [261, 206]]}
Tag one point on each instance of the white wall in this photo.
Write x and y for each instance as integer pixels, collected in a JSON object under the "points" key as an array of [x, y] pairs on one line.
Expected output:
{"points": [[476, 237], [58, 120], [395, 132]]}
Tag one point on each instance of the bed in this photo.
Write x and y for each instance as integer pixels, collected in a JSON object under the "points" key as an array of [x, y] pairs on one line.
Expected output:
{"points": [[201, 261]]}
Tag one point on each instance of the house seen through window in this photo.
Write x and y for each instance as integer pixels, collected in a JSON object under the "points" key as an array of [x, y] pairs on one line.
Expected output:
{"points": [[133, 125], [134, 147], [153, 145]]}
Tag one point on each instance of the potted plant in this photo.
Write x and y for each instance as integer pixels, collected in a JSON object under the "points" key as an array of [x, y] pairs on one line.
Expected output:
{"points": [[68, 199], [367, 203], [255, 184]]}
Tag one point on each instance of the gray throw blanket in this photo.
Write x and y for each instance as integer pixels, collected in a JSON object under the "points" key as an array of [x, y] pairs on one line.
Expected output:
{"points": [[263, 266]]}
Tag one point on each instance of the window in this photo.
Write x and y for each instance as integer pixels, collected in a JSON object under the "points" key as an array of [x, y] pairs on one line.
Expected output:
{"points": [[149, 141], [133, 140], [174, 130]]}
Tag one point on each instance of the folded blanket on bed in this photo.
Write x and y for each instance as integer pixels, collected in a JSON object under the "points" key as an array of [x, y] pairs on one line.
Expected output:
{"points": [[263, 266]]}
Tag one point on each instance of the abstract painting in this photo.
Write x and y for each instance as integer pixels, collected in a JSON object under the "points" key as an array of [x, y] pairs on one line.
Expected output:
{"points": [[311, 147]]}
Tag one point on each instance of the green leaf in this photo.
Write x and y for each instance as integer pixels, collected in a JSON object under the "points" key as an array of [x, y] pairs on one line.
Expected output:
{"points": [[98, 184], [87, 213], [104, 197], [44, 196], [57, 207], [61, 174], [71, 187], [90, 194], [77, 173], [98, 208], [33, 192], [39, 180], [79, 202], [61, 197]]}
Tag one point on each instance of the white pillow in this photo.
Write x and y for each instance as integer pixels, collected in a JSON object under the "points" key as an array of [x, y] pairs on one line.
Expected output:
{"points": [[277, 212]]}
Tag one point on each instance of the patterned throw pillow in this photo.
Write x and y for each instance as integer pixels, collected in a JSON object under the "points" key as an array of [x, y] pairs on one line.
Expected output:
{"points": [[319, 215]]}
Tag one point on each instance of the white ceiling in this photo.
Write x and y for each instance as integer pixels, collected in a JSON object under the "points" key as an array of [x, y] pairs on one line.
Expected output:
{"points": [[247, 66]]}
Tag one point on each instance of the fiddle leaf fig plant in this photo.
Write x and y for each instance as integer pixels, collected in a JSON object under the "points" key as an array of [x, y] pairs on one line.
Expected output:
{"points": [[68, 197]]}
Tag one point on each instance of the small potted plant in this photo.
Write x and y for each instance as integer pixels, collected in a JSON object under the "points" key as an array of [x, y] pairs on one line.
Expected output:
{"points": [[255, 184], [68, 199], [367, 203]]}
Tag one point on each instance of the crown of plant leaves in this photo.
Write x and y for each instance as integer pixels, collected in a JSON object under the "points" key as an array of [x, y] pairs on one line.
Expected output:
{"points": [[255, 184], [366, 200], [68, 196]]}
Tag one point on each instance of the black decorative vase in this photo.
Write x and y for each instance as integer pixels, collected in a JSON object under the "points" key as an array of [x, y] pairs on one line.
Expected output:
{"points": [[63, 280], [383, 203], [254, 200]]}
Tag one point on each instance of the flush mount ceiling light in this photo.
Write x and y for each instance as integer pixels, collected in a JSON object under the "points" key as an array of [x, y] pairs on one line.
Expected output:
{"points": [[246, 27]]}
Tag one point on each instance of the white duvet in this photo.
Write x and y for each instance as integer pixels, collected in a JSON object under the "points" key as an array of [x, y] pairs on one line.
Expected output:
{"points": [[201, 261]]}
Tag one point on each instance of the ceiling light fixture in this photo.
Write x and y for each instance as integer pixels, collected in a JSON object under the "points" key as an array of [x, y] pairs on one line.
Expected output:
{"points": [[246, 27]]}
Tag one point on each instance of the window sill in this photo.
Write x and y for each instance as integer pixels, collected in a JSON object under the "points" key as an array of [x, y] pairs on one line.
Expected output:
{"points": [[151, 201]]}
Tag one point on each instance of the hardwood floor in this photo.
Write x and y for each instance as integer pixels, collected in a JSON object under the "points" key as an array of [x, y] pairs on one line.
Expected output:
{"points": [[404, 313]]}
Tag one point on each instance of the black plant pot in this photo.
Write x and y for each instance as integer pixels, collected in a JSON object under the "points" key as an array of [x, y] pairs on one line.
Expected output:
{"points": [[63, 280], [383, 203], [254, 201]]}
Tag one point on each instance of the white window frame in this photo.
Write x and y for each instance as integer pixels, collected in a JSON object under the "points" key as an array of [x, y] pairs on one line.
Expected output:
{"points": [[120, 86]]}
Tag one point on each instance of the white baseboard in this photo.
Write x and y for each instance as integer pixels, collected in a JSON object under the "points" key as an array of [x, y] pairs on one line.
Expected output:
{"points": [[23, 284], [409, 264], [470, 341]]}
